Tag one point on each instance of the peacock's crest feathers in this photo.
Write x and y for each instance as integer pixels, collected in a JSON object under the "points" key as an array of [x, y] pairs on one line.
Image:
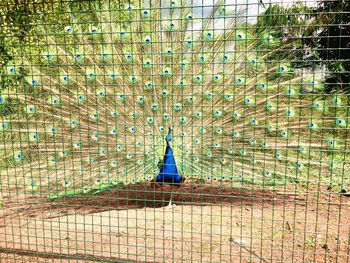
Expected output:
{"points": [[97, 99]]}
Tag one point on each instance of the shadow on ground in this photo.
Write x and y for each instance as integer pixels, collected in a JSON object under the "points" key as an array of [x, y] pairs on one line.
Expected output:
{"points": [[149, 195]]}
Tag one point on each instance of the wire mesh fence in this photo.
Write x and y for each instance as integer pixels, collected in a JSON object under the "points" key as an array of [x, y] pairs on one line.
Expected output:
{"points": [[182, 131]]}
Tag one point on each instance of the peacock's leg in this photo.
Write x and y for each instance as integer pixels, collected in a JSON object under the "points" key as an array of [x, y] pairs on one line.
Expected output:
{"points": [[170, 205]]}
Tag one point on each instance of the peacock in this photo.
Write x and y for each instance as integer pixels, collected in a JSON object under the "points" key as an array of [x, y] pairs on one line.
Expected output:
{"points": [[94, 97]]}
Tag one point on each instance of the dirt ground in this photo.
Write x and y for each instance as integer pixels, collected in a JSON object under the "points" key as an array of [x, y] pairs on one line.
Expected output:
{"points": [[210, 223]]}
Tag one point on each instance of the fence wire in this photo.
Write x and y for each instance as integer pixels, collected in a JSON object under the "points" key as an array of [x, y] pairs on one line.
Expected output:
{"points": [[174, 131]]}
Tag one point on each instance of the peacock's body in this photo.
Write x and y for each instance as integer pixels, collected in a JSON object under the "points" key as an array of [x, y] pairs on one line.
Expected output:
{"points": [[94, 101]]}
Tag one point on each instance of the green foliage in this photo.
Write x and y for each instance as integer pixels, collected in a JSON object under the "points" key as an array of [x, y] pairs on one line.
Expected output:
{"points": [[295, 27], [333, 41]]}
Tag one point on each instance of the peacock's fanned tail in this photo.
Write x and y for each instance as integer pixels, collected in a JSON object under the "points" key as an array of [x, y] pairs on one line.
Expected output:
{"points": [[93, 102]]}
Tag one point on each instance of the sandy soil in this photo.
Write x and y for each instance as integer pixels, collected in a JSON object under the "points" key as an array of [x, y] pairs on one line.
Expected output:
{"points": [[210, 223]]}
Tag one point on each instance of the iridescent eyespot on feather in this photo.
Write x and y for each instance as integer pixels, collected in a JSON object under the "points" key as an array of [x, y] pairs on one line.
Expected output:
{"points": [[201, 130], [253, 121], [147, 63], [150, 120], [284, 133], [155, 107], [170, 26], [253, 62], [209, 95], [240, 36], [283, 68], [264, 145], [270, 127], [318, 106], [336, 101], [30, 109], [302, 150], [113, 131], [149, 86], [189, 43], [68, 29], [4, 126], [218, 131], [48, 56], [267, 173], [133, 80], [129, 58], [228, 97], [63, 153], [242, 152], [226, 58], [79, 57], [129, 7], [106, 57], [184, 64], [278, 156], [177, 107], [90, 75], [299, 166], [11, 70], [77, 145], [146, 14], [132, 129], [166, 72], [236, 134], [164, 93], [252, 140], [174, 4], [248, 101], [271, 107], [190, 100], [93, 30], [2, 99], [19, 156], [74, 123], [133, 115], [198, 115], [147, 40], [236, 116], [123, 35], [95, 136], [182, 119], [290, 112], [103, 152], [217, 113], [197, 79], [340, 122], [141, 100], [166, 116], [208, 35], [313, 126], [33, 137]]}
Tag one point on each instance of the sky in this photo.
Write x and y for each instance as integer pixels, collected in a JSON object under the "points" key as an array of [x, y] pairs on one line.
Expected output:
{"points": [[252, 7]]}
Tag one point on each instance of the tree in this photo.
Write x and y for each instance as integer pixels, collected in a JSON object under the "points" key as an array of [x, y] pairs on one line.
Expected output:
{"points": [[333, 41], [294, 25]]}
